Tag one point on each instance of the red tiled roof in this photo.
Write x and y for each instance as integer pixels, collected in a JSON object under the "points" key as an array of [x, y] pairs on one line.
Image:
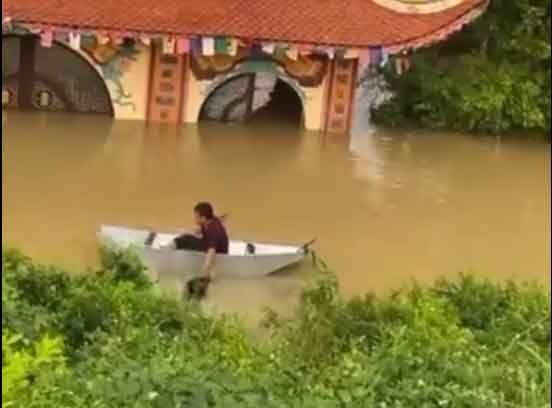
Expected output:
{"points": [[334, 22]]}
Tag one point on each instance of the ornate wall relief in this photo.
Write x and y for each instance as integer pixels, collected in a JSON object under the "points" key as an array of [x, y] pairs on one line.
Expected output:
{"points": [[56, 78], [113, 61], [308, 70]]}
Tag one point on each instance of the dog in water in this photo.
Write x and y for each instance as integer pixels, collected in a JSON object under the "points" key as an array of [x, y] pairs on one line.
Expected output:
{"points": [[197, 288]]}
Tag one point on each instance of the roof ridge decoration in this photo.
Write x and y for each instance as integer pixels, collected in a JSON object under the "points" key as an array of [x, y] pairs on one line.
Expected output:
{"points": [[418, 6]]}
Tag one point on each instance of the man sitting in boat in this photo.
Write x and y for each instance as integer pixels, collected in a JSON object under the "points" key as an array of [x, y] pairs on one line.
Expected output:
{"points": [[210, 236]]}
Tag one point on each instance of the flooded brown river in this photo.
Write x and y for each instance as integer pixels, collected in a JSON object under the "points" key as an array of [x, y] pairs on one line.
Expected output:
{"points": [[386, 207]]}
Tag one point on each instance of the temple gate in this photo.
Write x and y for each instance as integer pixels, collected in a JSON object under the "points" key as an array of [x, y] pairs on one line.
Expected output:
{"points": [[212, 60]]}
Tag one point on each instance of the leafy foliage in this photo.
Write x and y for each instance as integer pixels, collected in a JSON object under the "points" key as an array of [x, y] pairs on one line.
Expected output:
{"points": [[110, 340], [493, 77], [25, 365]]}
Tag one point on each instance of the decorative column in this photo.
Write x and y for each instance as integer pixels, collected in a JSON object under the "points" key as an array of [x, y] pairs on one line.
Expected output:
{"points": [[341, 96], [167, 86]]}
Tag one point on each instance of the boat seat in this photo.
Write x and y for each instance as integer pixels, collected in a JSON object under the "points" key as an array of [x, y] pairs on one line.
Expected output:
{"points": [[250, 249], [150, 239]]}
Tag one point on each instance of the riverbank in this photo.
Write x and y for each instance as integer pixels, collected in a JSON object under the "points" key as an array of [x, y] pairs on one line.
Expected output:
{"points": [[110, 339]]}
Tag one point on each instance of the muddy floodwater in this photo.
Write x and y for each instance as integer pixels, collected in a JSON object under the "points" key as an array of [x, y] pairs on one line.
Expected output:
{"points": [[386, 207]]}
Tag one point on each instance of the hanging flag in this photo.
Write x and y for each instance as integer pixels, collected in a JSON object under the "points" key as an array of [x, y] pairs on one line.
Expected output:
{"points": [[233, 44], [305, 49], [7, 24], [146, 39], [280, 51], [407, 63], [384, 57], [88, 40], [75, 40], [269, 48], [102, 39], [221, 45], [116, 38], [363, 58], [182, 46], [245, 42], [293, 52], [208, 46], [351, 53], [169, 45], [340, 53], [398, 66], [257, 49], [46, 38], [196, 46], [61, 36], [375, 55], [330, 52], [402, 64]]}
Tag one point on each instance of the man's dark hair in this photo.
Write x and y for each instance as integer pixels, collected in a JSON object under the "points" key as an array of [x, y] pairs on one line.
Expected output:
{"points": [[205, 210]]}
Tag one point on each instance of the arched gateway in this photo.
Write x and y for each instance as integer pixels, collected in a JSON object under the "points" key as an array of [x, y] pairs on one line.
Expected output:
{"points": [[50, 79], [173, 65], [255, 96]]}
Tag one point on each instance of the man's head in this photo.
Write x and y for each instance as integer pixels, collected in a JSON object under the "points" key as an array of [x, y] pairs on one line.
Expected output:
{"points": [[203, 213]]}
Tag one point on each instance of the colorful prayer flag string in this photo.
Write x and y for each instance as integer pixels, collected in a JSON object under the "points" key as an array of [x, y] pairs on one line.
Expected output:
{"points": [[75, 40], [46, 38], [208, 46]]}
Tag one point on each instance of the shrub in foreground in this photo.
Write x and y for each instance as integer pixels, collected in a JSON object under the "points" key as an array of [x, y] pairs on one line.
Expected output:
{"points": [[109, 339]]}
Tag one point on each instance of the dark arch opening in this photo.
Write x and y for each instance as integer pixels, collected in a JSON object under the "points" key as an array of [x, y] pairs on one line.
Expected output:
{"points": [[259, 98], [50, 79]]}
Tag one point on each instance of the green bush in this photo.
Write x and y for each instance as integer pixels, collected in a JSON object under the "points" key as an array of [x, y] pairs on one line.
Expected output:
{"points": [[123, 266], [109, 339], [494, 77], [25, 364]]}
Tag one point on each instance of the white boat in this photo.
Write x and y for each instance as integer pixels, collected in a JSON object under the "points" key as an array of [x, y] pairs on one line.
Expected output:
{"points": [[244, 260]]}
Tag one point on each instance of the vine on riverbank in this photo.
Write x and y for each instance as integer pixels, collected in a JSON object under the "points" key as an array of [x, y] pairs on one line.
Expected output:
{"points": [[109, 339], [493, 77]]}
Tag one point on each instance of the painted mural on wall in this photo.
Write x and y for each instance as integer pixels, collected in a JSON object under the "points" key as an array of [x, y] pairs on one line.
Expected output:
{"points": [[49, 78], [114, 61], [308, 70]]}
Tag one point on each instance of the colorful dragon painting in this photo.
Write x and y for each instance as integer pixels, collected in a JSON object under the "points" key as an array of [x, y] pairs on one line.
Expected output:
{"points": [[113, 61]]}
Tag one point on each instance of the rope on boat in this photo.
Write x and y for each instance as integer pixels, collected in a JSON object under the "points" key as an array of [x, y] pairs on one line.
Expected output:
{"points": [[318, 262]]}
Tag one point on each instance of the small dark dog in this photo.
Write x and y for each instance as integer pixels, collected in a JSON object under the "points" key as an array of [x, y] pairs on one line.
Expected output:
{"points": [[197, 288]]}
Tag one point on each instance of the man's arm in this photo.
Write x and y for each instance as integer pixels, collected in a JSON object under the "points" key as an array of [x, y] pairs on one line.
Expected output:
{"points": [[193, 231], [209, 262]]}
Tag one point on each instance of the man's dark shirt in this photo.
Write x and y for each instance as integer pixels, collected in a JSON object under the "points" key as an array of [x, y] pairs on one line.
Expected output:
{"points": [[215, 236]]}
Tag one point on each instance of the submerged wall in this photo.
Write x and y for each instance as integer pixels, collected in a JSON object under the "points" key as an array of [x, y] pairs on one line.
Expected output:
{"points": [[142, 83], [90, 78]]}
